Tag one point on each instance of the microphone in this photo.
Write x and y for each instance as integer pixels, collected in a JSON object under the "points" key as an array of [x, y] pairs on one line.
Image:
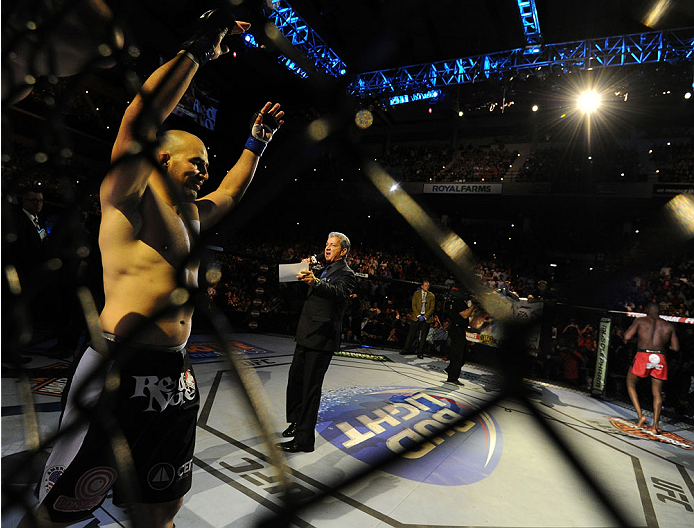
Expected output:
{"points": [[317, 261]]}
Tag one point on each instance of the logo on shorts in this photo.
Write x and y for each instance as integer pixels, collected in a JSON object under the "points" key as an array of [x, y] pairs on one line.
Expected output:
{"points": [[90, 491], [163, 392], [161, 476], [654, 362], [51, 477], [189, 380], [184, 470]]}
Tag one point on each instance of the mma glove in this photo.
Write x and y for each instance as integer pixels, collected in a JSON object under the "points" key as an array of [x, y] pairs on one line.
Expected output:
{"points": [[261, 134], [212, 24]]}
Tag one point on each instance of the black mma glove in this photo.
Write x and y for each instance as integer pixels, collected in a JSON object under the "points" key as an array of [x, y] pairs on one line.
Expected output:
{"points": [[212, 24]]}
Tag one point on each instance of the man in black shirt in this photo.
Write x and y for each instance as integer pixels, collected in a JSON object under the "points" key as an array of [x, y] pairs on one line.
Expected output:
{"points": [[459, 314]]}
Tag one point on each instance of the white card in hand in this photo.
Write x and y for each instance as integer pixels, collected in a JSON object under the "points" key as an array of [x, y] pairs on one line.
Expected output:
{"points": [[288, 272]]}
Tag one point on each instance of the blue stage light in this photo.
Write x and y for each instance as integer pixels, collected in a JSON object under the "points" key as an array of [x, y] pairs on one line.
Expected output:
{"points": [[250, 41], [418, 96], [305, 39]]}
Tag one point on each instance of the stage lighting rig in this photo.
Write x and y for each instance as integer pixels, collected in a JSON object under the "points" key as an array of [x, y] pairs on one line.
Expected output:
{"points": [[589, 101]]}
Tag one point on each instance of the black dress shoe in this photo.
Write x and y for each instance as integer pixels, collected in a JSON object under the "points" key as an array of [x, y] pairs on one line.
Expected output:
{"points": [[290, 431], [454, 382], [293, 447], [420, 356]]}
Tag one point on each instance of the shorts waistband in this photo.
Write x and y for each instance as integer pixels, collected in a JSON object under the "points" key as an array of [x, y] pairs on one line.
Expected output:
{"points": [[649, 351], [142, 346]]}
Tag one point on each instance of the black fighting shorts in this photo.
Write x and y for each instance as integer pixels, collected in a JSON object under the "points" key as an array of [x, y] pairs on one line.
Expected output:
{"points": [[149, 419]]}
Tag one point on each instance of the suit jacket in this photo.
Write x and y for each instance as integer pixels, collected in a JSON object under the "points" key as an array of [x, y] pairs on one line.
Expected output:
{"points": [[25, 251], [320, 323], [428, 307]]}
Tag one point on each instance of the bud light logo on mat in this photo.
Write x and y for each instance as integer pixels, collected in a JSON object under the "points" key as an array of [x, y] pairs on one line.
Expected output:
{"points": [[372, 423]]}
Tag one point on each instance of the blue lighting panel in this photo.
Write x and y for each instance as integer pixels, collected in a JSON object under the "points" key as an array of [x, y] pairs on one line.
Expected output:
{"points": [[531, 24], [302, 37], [673, 46], [417, 96], [249, 40], [292, 66]]}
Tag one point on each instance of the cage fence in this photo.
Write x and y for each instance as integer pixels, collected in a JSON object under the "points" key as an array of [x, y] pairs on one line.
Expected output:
{"points": [[63, 294]]}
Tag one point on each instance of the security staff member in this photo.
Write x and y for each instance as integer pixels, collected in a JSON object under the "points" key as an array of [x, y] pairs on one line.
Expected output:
{"points": [[460, 313]]}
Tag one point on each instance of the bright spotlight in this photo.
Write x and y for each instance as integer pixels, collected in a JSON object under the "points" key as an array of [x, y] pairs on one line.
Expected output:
{"points": [[394, 187], [589, 101], [688, 95], [535, 108]]}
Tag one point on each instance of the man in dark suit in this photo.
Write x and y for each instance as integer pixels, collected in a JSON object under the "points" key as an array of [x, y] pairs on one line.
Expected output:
{"points": [[23, 249], [27, 233], [317, 337]]}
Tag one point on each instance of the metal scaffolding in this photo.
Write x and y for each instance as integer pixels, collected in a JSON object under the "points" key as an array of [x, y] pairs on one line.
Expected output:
{"points": [[672, 46]]}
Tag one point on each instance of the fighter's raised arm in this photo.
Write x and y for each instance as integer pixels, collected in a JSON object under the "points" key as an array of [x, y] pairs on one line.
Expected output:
{"points": [[218, 203], [160, 94]]}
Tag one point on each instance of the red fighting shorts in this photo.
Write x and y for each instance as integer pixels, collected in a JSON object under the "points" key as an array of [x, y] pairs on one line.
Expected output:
{"points": [[650, 362]]}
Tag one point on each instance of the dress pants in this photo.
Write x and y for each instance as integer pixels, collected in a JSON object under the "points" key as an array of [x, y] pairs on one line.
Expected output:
{"points": [[304, 391], [422, 329], [457, 352]]}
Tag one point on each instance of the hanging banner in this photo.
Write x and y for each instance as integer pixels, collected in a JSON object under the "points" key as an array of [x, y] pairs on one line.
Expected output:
{"points": [[199, 106]]}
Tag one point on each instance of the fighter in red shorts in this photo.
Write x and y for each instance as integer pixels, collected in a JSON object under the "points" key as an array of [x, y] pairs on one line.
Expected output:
{"points": [[654, 336]]}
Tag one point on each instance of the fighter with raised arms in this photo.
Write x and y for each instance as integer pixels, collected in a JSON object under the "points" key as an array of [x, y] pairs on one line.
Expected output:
{"points": [[151, 219]]}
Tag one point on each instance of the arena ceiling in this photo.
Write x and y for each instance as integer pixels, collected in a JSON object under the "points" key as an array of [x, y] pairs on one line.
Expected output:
{"points": [[413, 32], [373, 35]]}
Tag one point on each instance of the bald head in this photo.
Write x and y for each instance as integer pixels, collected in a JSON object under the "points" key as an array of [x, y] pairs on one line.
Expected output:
{"points": [[184, 159], [652, 309], [173, 141]]}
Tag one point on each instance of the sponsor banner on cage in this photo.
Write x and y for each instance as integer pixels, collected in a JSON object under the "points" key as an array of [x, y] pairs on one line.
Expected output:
{"points": [[51, 385], [206, 350], [462, 188], [485, 339], [370, 423], [600, 376], [671, 318]]}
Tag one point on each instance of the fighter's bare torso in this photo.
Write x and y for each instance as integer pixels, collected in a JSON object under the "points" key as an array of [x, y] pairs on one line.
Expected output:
{"points": [[145, 242], [143, 245], [652, 333]]}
